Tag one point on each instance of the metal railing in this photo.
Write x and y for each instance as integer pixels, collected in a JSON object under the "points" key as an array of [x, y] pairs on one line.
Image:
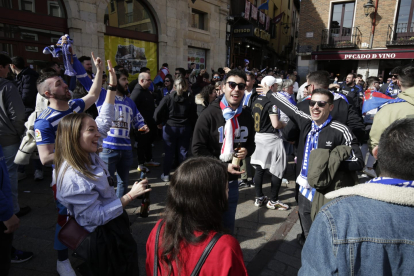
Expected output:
{"points": [[341, 38], [400, 34]]}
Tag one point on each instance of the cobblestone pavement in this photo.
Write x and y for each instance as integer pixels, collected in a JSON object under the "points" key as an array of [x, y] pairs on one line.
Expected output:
{"points": [[268, 245]]}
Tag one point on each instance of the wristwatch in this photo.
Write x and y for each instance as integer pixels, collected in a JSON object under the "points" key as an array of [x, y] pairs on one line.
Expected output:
{"points": [[111, 88]]}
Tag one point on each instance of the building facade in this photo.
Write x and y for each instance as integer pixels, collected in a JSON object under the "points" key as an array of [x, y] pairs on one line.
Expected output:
{"points": [[265, 37], [344, 36], [133, 33]]}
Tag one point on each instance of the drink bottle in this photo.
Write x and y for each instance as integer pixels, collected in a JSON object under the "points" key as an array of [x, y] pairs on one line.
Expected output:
{"points": [[236, 161], [145, 197]]}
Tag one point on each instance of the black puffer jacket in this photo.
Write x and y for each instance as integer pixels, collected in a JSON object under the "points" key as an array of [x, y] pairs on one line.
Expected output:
{"points": [[26, 84]]}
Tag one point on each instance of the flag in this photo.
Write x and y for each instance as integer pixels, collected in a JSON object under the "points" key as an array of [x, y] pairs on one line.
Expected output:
{"points": [[254, 12], [278, 18], [373, 100], [247, 10], [264, 6], [267, 22], [161, 75], [262, 17]]}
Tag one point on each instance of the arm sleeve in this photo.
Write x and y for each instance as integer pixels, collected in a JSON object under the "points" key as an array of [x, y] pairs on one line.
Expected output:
{"points": [[319, 246], [104, 120], [44, 132], [138, 120], [81, 74], [381, 122], [289, 109], [291, 131], [29, 90], [355, 161], [80, 194], [160, 111], [355, 123], [201, 136], [14, 107]]}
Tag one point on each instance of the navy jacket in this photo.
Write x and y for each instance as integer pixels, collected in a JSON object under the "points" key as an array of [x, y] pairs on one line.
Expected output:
{"points": [[26, 84], [6, 201]]}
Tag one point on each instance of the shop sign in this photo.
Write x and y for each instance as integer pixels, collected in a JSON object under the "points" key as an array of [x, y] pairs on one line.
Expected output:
{"points": [[248, 31], [197, 56], [262, 34], [242, 31], [364, 56]]}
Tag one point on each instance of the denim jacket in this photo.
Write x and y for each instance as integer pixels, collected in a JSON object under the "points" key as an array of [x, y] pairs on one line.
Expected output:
{"points": [[368, 230]]}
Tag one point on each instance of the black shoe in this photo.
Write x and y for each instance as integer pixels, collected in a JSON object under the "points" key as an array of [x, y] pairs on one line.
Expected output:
{"points": [[301, 239], [250, 183], [23, 211], [20, 256], [243, 183]]}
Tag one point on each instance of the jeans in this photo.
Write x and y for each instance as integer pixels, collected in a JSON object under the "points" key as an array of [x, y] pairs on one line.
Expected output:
{"points": [[118, 161], [258, 181], [9, 155], [176, 139], [229, 217], [5, 249], [305, 207]]}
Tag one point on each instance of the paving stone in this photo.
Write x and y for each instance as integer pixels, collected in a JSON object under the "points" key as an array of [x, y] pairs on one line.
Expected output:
{"points": [[286, 259]]}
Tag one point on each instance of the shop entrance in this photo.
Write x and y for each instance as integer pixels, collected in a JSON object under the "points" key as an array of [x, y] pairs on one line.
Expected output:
{"points": [[386, 65], [340, 68]]}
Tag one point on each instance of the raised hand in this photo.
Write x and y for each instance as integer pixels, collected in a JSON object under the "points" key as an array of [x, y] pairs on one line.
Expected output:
{"points": [[262, 89], [98, 62], [111, 72]]}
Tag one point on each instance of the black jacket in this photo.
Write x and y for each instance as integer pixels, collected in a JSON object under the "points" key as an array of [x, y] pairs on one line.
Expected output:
{"points": [[26, 84], [144, 101], [208, 139], [354, 94], [342, 112], [331, 136], [384, 87], [175, 110]]}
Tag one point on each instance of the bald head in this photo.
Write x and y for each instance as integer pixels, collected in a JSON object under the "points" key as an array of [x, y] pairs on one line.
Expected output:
{"points": [[144, 79]]}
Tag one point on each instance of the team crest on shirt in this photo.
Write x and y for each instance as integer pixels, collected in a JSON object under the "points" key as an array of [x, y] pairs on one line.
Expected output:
{"points": [[38, 135], [274, 109]]}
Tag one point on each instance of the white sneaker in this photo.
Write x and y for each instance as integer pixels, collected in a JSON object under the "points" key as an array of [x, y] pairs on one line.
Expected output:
{"points": [[165, 178], [259, 201], [285, 181], [64, 268], [277, 205], [370, 172], [21, 176], [38, 175]]}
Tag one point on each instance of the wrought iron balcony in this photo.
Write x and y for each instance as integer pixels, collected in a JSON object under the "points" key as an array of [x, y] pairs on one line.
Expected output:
{"points": [[400, 34], [341, 38]]}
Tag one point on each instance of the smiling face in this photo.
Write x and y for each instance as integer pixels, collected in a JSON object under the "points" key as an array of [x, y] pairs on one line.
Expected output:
{"points": [[234, 96], [320, 114], [89, 135]]}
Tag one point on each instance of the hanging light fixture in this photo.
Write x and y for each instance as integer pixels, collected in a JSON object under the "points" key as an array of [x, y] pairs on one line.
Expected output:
{"points": [[369, 8]]}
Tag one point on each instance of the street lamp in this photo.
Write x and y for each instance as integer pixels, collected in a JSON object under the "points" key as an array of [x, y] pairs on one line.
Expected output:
{"points": [[369, 8]]}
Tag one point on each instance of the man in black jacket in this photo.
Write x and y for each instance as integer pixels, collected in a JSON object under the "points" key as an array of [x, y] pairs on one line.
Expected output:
{"points": [[144, 101], [223, 126], [26, 84], [392, 89], [350, 89], [316, 131]]}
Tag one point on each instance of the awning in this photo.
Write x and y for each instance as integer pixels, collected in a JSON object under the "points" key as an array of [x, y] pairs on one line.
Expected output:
{"points": [[364, 54]]}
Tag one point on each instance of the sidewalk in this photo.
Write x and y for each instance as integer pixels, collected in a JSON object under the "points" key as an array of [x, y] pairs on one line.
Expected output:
{"points": [[269, 248]]}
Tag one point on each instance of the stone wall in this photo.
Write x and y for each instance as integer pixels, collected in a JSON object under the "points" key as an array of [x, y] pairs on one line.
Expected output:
{"points": [[86, 27]]}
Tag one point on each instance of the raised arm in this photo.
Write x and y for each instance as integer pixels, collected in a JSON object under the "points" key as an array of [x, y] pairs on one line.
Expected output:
{"points": [[95, 90]]}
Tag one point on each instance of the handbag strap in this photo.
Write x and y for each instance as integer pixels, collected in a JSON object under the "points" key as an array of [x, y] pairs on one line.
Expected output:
{"points": [[205, 254], [155, 272]]}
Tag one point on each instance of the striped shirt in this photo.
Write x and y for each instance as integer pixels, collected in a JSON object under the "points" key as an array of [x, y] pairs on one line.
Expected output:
{"points": [[46, 124]]}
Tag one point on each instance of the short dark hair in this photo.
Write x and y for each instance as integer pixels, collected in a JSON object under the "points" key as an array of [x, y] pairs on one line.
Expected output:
{"points": [[192, 63], [406, 76], [18, 62], [207, 91], [121, 72], [319, 78], [205, 76], [83, 58], [117, 67], [221, 70], [372, 80], [236, 73], [47, 70], [165, 65], [397, 70], [326, 92], [41, 79], [144, 69], [181, 70], [252, 75], [396, 150], [353, 75], [169, 76], [5, 60], [359, 76]]}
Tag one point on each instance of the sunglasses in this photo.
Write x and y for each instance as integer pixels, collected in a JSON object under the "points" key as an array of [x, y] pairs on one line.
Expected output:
{"points": [[217, 90], [166, 81], [394, 76], [306, 87], [320, 103], [216, 77], [233, 85]]}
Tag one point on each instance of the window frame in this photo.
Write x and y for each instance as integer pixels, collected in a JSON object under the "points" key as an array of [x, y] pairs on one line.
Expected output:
{"points": [[342, 15], [410, 19], [202, 18]]}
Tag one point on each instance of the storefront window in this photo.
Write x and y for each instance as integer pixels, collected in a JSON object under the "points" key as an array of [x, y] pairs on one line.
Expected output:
{"points": [[50, 7], [130, 15]]}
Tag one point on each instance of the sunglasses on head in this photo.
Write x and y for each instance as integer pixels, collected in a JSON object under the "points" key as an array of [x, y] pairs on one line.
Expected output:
{"points": [[233, 85], [320, 103]]}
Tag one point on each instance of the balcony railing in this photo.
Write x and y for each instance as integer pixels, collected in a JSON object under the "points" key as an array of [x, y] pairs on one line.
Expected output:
{"points": [[400, 34], [341, 38]]}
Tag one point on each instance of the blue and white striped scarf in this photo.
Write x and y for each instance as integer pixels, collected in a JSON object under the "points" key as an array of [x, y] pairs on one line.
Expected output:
{"points": [[311, 143], [393, 182], [396, 100], [390, 90]]}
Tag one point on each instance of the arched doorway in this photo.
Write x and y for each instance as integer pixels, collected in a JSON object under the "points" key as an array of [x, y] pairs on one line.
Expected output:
{"points": [[27, 26], [131, 38]]}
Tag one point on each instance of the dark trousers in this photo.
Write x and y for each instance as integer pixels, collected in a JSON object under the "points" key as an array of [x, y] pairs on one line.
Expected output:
{"points": [[5, 250], [305, 207], [144, 147], [275, 183], [176, 141]]}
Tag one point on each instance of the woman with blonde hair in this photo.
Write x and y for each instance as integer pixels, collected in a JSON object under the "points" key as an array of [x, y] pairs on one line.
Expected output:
{"points": [[176, 116], [85, 187]]}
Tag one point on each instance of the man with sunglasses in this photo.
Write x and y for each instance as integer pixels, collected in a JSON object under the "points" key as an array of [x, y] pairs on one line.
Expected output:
{"points": [[392, 88], [317, 130], [225, 129]]}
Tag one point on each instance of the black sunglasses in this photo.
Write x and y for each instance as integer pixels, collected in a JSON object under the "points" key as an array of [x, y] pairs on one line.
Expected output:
{"points": [[394, 76], [306, 87], [320, 103], [233, 85]]}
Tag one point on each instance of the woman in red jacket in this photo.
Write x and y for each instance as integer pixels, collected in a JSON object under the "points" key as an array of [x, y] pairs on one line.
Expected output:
{"points": [[196, 200]]}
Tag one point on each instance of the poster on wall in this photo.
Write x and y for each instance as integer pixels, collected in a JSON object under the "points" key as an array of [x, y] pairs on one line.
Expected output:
{"points": [[132, 54], [197, 56]]}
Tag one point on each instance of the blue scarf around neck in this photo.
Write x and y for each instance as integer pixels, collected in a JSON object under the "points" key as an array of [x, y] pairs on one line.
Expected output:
{"points": [[393, 182]]}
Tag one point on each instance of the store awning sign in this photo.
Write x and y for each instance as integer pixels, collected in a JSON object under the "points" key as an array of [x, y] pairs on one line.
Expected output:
{"points": [[363, 56]]}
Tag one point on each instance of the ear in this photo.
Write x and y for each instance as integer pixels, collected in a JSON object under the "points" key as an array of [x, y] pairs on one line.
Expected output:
{"points": [[331, 107], [48, 94], [375, 152]]}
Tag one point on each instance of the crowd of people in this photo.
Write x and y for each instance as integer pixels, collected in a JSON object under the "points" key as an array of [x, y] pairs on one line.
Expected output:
{"points": [[221, 134]]}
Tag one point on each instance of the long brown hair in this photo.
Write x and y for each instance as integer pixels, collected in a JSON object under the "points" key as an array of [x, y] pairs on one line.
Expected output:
{"points": [[67, 147]]}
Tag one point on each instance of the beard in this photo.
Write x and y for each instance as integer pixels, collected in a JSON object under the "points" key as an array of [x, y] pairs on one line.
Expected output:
{"points": [[64, 97], [89, 72], [121, 89]]}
